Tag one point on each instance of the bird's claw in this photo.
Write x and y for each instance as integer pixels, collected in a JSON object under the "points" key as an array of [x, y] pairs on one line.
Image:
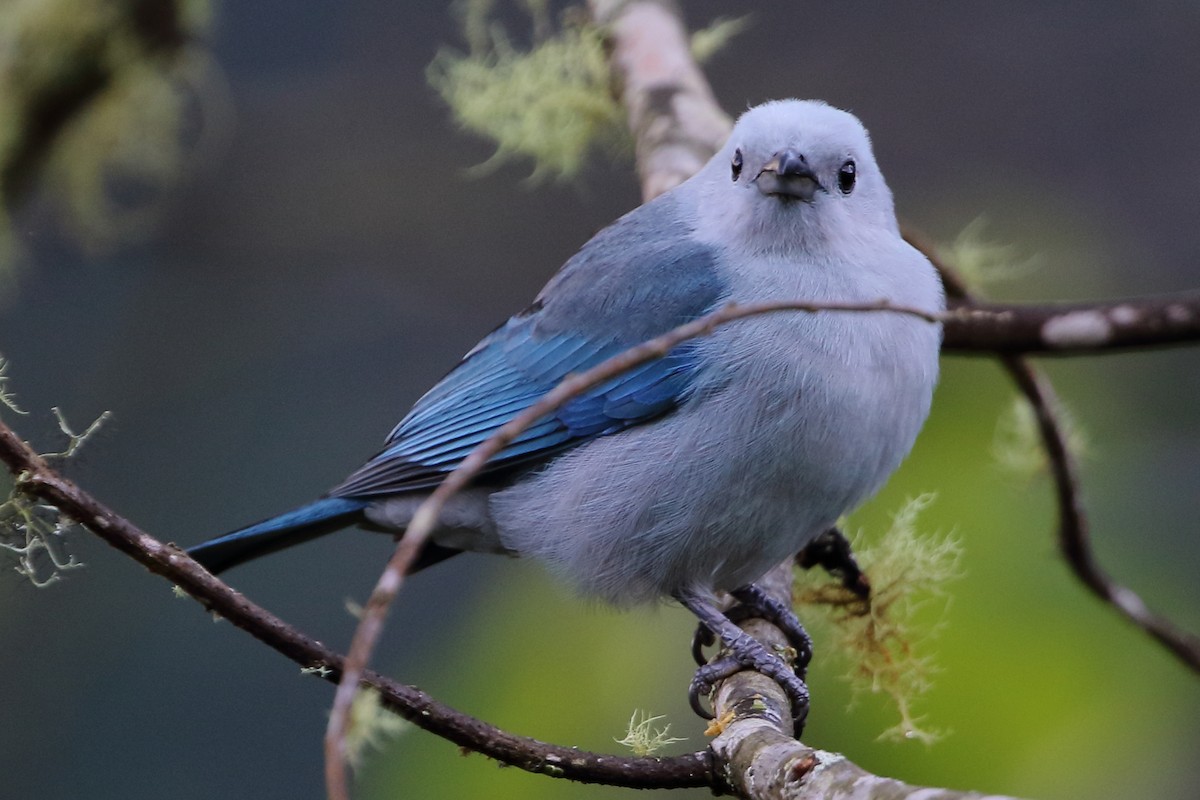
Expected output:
{"points": [[772, 666], [702, 638], [745, 652], [754, 602]]}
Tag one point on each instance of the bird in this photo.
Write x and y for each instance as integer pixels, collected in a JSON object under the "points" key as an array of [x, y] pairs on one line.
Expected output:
{"points": [[693, 474]]}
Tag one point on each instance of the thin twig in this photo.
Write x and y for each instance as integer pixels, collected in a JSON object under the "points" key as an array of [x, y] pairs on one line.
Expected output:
{"points": [[1074, 540], [37, 479], [425, 519]]}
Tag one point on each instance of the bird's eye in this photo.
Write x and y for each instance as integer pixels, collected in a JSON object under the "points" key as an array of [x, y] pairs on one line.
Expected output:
{"points": [[736, 166], [846, 176]]}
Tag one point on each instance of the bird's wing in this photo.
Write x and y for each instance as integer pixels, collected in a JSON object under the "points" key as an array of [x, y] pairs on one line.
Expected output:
{"points": [[604, 301]]}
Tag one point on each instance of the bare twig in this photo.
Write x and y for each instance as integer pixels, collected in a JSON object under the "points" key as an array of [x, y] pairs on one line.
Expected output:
{"points": [[37, 479], [1074, 538], [371, 624]]}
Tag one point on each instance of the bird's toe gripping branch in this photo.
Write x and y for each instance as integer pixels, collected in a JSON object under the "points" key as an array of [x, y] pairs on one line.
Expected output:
{"points": [[745, 652], [831, 551]]}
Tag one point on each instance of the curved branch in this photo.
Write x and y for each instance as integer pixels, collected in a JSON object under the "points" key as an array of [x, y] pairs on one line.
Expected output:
{"points": [[36, 479], [426, 517], [1074, 539]]}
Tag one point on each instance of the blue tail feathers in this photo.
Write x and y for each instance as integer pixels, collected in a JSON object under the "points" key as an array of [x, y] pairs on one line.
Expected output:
{"points": [[299, 525]]}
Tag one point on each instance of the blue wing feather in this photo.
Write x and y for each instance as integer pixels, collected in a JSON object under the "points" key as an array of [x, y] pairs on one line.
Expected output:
{"points": [[594, 309]]}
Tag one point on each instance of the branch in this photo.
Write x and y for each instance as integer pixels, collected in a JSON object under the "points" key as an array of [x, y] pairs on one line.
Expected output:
{"points": [[675, 120], [765, 762], [36, 479], [1074, 539], [366, 635], [1073, 329], [661, 85]]}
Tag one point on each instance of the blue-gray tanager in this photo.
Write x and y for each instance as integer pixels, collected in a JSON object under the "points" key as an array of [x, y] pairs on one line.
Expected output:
{"points": [[700, 471]]}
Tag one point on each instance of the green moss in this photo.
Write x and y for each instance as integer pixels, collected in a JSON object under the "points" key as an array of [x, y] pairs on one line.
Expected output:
{"points": [[707, 42], [982, 262], [371, 725]]}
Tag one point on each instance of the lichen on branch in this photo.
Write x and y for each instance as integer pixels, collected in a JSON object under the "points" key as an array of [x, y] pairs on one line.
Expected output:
{"points": [[33, 534], [882, 636]]}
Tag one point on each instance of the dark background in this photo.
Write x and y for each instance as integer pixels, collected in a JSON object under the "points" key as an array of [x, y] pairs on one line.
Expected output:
{"points": [[334, 258]]}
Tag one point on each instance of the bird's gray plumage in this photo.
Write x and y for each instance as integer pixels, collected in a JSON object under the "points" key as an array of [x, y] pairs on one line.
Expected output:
{"points": [[703, 471]]}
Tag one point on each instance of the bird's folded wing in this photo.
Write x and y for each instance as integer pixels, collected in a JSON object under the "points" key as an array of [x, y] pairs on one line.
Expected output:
{"points": [[502, 377]]}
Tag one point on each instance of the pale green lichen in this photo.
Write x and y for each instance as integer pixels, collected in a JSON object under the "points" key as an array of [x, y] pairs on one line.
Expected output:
{"points": [[882, 637], [6, 395], [370, 725], [643, 738], [74, 440], [354, 608], [551, 103], [320, 670], [34, 533], [1017, 441], [707, 42], [982, 262]]}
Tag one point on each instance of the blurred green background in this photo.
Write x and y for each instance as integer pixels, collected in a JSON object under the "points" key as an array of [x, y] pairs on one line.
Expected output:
{"points": [[330, 257]]}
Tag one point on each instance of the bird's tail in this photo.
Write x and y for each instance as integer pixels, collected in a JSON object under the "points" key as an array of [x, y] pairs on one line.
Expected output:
{"points": [[299, 525]]}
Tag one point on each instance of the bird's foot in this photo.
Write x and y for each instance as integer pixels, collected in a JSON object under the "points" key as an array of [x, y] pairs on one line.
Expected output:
{"points": [[831, 551], [754, 602], [745, 652], [759, 659]]}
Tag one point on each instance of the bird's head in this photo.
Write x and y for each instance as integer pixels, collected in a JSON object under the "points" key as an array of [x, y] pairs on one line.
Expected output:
{"points": [[795, 173]]}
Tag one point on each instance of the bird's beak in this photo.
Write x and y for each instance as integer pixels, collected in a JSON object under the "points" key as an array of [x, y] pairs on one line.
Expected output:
{"points": [[787, 175]]}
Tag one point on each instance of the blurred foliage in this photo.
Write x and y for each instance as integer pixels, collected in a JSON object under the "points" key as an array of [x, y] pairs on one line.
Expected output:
{"points": [[370, 726], [98, 102], [1017, 442], [982, 262], [880, 635], [707, 42]]}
